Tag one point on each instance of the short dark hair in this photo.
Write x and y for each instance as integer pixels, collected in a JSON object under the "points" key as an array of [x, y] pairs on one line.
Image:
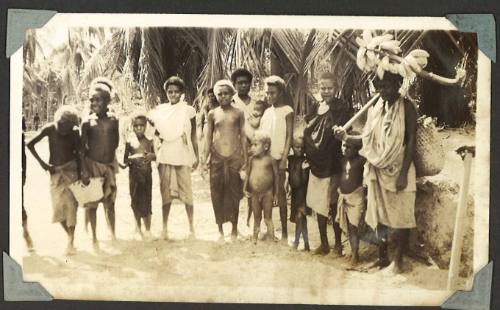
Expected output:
{"points": [[327, 76], [241, 72], [174, 80]]}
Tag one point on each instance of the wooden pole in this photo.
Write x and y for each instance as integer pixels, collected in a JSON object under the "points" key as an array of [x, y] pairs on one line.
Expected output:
{"points": [[456, 250], [363, 110]]}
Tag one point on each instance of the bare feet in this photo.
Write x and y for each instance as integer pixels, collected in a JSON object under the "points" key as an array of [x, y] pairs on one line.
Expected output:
{"points": [[148, 236], [322, 250], [70, 250], [338, 250], [380, 264], [164, 234], [234, 236], [399, 266], [306, 247], [221, 239]]}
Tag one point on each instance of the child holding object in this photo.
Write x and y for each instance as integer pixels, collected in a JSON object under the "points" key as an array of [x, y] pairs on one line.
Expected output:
{"points": [[277, 121], [298, 177], [139, 152], [262, 183], [63, 166], [100, 137], [352, 201]]}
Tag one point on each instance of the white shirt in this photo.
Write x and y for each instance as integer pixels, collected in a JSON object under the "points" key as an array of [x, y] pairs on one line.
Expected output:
{"points": [[247, 111], [173, 122], [274, 123]]}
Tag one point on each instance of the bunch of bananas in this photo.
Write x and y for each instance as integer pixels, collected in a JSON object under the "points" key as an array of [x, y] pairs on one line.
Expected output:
{"points": [[380, 54]]}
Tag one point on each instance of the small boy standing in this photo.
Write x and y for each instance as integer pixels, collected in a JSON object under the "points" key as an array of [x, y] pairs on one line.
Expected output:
{"points": [[262, 183], [226, 146], [352, 201], [277, 121], [139, 152], [63, 166], [175, 122], [251, 125], [100, 137], [298, 177]]}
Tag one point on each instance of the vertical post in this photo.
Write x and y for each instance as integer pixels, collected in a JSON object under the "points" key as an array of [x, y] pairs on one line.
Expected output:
{"points": [[456, 250]]}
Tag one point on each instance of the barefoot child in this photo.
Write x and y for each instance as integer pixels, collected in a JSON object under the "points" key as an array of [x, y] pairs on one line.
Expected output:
{"points": [[298, 177], [226, 145], [100, 137], [277, 121], [64, 167], [139, 152], [352, 202], [262, 183], [251, 125], [175, 122]]}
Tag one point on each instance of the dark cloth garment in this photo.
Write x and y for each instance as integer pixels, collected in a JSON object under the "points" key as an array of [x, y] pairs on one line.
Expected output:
{"points": [[323, 151], [298, 177], [226, 186], [141, 185], [140, 178]]}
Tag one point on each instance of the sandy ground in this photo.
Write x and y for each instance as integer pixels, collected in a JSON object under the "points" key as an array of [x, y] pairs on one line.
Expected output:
{"points": [[201, 269]]}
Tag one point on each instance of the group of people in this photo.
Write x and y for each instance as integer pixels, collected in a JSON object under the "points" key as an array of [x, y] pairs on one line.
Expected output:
{"points": [[248, 147]]}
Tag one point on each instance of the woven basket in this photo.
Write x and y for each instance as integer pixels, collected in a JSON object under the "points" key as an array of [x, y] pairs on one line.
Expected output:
{"points": [[429, 153]]}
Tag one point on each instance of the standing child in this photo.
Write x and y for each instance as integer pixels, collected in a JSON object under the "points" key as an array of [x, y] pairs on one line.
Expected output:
{"points": [[261, 183], [139, 152], [63, 166], [251, 125], [226, 146], [175, 122], [277, 121], [298, 177], [100, 137], [352, 202]]}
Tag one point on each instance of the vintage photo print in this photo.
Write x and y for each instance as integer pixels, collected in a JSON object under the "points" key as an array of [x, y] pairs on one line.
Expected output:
{"points": [[250, 159]]}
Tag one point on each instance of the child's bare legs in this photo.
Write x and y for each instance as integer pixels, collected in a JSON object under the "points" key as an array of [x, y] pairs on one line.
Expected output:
{"points": [[267, 205], [109, 210], [147, 222], [333, 205], [324, 248], [257, 217], [91, 215], [305, 234], [190, 214], [354, 242], [337, 230], [402, 239], [249, 211], [165, 213], [138, 232], [282, 205], [234, 232], [383, 260], [221, 232], [70, 230]]}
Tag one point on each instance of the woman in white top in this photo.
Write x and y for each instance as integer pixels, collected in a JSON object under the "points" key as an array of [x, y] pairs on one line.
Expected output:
{"points": [[277, 121], [178, 154]]}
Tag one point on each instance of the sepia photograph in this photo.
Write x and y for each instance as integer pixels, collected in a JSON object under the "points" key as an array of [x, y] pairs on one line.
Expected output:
{"points": [[250, 159]]}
